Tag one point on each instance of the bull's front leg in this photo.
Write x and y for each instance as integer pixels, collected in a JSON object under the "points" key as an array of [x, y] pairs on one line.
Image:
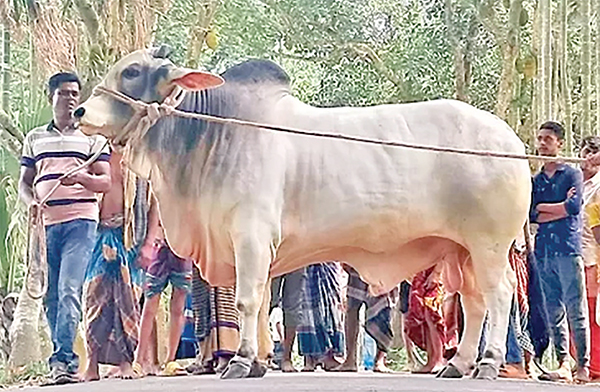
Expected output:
{"points": [[252, 261]]}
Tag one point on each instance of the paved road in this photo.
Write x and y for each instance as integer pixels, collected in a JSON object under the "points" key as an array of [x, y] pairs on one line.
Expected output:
{"points": [[318, 382]]}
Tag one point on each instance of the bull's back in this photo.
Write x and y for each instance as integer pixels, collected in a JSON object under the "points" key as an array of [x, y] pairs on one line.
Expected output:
{"points": [[341, 193]]}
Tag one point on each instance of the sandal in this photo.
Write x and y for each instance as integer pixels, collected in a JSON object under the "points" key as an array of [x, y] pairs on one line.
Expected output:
{"points": [[173, 369], [138, 370]]}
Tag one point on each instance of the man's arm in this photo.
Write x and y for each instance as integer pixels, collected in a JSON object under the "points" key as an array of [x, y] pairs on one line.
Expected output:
{"points": [[28, 173], [147, 248], [574, 201], [96, 179], [545, 217], [153, 222], [548, 212], [26, 192], [533, 214]]}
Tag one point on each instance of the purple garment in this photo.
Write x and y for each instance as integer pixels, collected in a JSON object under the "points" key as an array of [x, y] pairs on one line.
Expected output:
{"points": [[167, 267]]}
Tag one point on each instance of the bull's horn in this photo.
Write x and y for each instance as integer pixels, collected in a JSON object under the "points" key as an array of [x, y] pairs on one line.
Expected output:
{"points": [[162, 52]]}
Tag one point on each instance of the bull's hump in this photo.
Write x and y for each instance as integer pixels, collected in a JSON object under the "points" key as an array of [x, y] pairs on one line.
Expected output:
{"points": [[257, 72]]}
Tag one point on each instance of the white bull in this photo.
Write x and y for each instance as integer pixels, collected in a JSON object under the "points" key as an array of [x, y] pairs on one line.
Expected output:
{"points": [[248, 203]]}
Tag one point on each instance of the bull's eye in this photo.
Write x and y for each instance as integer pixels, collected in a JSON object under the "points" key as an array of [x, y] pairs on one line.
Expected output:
{"points": [[131, 73]]}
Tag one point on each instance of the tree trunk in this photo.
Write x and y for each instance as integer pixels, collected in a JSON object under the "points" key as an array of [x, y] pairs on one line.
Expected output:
{"points": [[6, 71], [24, 331], [586, 79], [460, 82], [510, 52], [565, 88], [546, 60], [90, 20], [536, 112], [206, 13], [556, 104]]}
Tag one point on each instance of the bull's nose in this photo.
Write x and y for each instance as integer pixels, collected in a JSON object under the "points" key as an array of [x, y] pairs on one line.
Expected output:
{"points": [[79, 112]]}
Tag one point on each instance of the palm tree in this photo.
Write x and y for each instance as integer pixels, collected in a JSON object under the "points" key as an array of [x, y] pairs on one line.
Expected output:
{"points": [[586, 78]]}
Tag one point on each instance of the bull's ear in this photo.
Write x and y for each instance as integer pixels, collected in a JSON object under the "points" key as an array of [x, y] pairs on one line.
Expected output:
{"points": [[194, 80]]}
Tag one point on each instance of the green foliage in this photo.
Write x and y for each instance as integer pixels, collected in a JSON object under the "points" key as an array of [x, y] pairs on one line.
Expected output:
{"points": [[12, 226], [12, 269], [397, 360], [30, 109]]}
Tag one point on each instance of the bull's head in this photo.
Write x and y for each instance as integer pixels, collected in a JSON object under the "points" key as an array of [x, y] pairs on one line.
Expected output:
{"points": [[145, 75]]}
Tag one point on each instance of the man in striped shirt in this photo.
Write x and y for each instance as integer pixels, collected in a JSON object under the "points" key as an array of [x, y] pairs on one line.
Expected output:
{"points": [[70, 216]]}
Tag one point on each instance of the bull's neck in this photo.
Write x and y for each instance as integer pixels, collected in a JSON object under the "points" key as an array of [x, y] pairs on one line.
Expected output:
{"points": [[186, 148]]}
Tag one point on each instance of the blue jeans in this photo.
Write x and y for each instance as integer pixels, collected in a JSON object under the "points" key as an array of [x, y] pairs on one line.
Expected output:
{"points": [[69, 247], [538, 324], [563, 283]]}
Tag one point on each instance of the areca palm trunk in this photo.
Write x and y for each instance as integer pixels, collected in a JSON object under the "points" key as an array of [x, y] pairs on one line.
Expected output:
{"points": [[510, 52], [564, 78], [586, 79], [6, 70], [546, 60]]}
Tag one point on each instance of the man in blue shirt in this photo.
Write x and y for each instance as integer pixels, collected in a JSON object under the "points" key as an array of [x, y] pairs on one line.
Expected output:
{"points": [[556, 207]]}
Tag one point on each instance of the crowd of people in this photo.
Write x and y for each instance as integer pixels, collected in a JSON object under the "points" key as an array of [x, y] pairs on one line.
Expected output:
{"points": [[109, 263]]}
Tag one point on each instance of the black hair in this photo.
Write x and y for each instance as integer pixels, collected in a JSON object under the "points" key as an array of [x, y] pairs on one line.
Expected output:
{"points": [[58, 79], [555, 127], [592, 143]]}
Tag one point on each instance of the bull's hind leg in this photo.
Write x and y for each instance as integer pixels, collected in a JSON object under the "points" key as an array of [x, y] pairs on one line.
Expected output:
{"points": [[252, 268], [474, 311], [497, 283]]}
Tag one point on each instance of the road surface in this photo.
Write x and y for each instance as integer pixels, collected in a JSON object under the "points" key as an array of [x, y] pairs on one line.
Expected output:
{"points": [[317, 382]]}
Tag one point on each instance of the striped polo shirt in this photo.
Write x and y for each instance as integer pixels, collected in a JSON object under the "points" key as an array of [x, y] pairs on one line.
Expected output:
{"points": [[52, 154]]}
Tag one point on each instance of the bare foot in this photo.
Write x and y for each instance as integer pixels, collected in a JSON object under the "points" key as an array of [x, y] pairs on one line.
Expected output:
{"points": [[330, 363], [126, 371], [91, 374], [427, 369], [113, 372], [346, 367], [153, 370], [287, 367], [582, 376], [381, 368], [142, 369], [513, 370], [310, 364]]}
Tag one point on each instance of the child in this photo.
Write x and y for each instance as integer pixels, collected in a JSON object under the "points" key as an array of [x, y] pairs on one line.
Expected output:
{"points": [[162, 266]]}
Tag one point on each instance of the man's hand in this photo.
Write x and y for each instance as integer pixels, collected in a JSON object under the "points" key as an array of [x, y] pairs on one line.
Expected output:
{"points": [[147, 255], [35, 209], [572, 192], [73, 179]]}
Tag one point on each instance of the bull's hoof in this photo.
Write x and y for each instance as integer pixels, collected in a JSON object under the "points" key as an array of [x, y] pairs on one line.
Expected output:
{"points": [[486, 371], [450, 371], [239, 367], [258, 370]]}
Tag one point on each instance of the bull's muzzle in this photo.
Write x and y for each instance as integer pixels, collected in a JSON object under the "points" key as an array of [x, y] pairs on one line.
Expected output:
{"points": [[79, 112]]}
